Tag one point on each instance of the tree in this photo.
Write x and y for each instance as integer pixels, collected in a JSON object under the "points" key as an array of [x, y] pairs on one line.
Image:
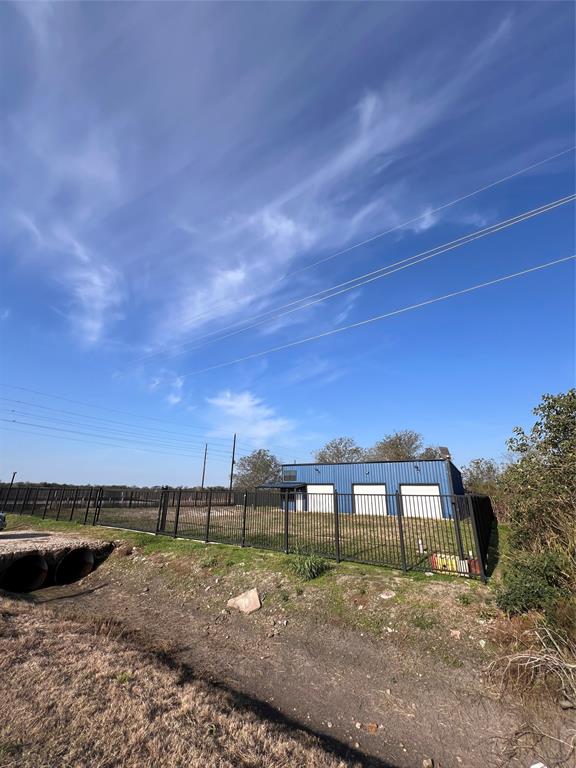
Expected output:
{"points": [[257, 468], [540, 484], [539, 488], [405, 445], [340, 450], [482, 476], [432, 452]]}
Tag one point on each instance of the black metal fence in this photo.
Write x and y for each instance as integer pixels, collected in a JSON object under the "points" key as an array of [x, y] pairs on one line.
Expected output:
{"points": [[447, 533]]}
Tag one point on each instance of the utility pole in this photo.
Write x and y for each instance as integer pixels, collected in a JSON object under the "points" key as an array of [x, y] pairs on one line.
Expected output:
{"points": [[204, 465], [232, 468], [12, 483]]}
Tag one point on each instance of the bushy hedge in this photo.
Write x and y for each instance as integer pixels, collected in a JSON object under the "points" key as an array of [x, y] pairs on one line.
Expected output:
{"points": [[539, 486]]}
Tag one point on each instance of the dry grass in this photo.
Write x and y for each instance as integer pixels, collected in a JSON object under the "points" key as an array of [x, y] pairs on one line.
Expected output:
{"points": [[534, 654], [73, 694]]}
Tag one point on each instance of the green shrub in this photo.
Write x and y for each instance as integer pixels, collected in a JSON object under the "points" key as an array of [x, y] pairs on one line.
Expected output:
{"points": [[533, 582], [309, 565]]}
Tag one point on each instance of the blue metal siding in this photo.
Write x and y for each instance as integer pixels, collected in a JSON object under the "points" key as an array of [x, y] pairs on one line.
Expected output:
{"points": [[392, 474], [457, 483]]}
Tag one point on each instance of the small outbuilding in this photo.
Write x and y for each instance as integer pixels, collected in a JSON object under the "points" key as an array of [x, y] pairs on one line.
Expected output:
{"points": [[424, 487]]}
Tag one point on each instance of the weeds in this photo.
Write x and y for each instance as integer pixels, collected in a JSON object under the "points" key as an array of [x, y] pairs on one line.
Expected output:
{"points": [[533, 582], [308, 566], [538, 654], [424, 622]]}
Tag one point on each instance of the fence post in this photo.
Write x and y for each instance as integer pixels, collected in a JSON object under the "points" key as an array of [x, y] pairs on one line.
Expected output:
{"points": [[479, 553], [75, 499], [177, 513], [26, 499], [286, 543], [336, 527], [98, 506], [400, 515], [456, 520], [88, 506], [35, 501], [15, 502], [162, 511], [60, 504], [46, 505], [208, 511], [243, 539]]}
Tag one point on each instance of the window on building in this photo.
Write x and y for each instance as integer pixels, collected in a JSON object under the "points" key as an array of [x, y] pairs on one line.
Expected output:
{"points": [[289, 475]]}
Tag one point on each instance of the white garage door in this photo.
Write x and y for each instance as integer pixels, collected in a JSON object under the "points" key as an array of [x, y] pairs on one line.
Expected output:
{"points": [[421, 501], [370, 499], [320, 498]]}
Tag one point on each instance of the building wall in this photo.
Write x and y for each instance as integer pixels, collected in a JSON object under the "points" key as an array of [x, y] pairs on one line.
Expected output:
{"points": [[394, 473]]}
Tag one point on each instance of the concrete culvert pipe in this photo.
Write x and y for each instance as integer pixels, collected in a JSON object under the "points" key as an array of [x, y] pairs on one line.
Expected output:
{"points": [[25, 573], [74, 565]]}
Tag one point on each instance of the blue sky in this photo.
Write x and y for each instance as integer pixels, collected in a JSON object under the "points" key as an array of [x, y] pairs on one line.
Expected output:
{"points": [[169, 171]]}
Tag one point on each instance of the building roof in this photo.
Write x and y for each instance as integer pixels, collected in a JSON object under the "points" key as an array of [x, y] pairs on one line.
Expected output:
{"points": [[369, 461]]}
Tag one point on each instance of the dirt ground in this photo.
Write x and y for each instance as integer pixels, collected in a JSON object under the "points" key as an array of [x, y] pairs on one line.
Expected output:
{"points": [[76, 694], [389, 665]]}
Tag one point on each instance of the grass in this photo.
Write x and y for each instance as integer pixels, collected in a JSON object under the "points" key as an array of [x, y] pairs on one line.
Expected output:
{"points": [[308, 566], [347, 594], [93, 711], [363, 538]]}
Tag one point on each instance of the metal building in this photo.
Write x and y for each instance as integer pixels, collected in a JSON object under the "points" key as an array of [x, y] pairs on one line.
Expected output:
{"points": [[372, 487]]}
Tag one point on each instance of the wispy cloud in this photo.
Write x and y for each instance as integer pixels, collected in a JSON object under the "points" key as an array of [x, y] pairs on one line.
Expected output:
{"points": [[315, 369], [167, 383], [249, 415], [94, 289], [180, 215]]}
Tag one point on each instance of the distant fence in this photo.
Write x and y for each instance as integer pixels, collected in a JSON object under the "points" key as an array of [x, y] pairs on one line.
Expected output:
{"points": [[448, 533]]}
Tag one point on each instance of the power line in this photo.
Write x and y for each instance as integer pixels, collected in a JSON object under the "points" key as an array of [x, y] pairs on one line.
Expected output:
{"points": [[113, 433], [379, 317], [118, 439], [368, 277], [404, 224], [91, 442], [220, 451], [174, 437], [435, 210], [111, 410]]}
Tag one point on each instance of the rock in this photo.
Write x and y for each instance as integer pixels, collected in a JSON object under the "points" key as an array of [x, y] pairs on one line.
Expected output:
{"points": [[482, 643], [455, 633], [329, 724], [387, 594], [358, 725], [567, 704], [247, 602], [428, 573], [427, 762]]}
